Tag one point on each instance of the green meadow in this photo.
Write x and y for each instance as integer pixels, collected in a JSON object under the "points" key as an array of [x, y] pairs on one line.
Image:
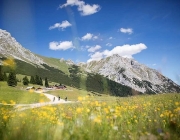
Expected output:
{"points": [[146, 117], [18, 95]]}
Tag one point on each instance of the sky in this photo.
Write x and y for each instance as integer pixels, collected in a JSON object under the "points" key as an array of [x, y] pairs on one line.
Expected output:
{"points": [[86, 30]]}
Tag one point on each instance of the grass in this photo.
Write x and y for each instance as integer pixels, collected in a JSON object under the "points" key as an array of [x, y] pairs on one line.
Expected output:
{"points": [[131, 118], [61, 65], [18, 95], [73, 94]]}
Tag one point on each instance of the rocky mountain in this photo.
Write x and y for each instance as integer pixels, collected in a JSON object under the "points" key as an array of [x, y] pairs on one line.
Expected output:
{"points": [[9, 47], [133, 74]]}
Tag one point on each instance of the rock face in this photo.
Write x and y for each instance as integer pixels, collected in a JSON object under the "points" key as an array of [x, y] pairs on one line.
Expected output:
{"points": [[9, 47], [69, 62], [133, 74]]}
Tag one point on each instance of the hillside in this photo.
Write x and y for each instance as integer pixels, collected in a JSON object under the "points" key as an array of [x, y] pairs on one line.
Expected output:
{"points": [[129, 72], [9, 47]]}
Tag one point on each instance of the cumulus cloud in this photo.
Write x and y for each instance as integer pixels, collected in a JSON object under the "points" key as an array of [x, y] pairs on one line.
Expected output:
{"points": [[124, 51], [109, 44], [95, 48], [61, 26], [61, 45], [84, 9], [89, 36], [95, 37], [96, 56], [128, 30]]}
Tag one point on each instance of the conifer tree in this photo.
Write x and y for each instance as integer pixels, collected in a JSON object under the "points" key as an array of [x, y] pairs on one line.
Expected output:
{"points": [[25, 80], [11, 81], [32, 80], [46, 82], [37, 81], [40, 81], [1, 74], [4, 77]]}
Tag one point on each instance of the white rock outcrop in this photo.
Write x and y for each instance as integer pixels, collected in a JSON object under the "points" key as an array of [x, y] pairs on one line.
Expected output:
{"points": [[129, 72], [9, 47]]}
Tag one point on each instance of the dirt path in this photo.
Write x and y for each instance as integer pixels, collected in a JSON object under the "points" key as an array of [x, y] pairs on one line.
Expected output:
{"points": [[21, 107]]}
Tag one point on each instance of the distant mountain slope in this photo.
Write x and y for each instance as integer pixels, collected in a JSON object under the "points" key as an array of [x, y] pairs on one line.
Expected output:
{"points": [[56, 63], [9, 47], [133, 74]]}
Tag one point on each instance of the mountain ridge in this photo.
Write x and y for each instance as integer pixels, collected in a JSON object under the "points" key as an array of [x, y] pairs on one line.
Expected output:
{"points": [[131, 73], [9, 47]]}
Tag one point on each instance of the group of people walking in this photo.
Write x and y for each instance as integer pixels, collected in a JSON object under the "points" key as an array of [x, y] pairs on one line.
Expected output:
{"points": [[59, 98]]}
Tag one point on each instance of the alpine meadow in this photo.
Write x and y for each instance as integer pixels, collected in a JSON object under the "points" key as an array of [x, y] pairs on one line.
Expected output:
{"points": [[89, 70]]}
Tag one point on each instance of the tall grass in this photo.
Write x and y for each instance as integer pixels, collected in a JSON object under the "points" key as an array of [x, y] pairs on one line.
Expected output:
{"points": [[140, 117]]}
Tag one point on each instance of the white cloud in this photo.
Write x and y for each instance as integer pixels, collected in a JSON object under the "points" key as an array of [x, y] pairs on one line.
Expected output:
{"points": [[110, 37], [88, 9], [85, 9], [95, 48], [88, 36], [96, 56], [109, 44], [154, 64], [95, 37], [124, 51], [128, 30], [61, 45], [61, 26], [72, 3]]}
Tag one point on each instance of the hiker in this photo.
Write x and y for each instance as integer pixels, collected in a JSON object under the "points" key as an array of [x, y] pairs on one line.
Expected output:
{"points": [[66, 99], [59, 98], [53, 99]]}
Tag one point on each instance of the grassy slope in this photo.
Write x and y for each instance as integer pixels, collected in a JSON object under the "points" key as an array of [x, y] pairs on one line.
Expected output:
{"points": [[72, 94], [56, 63], [18, 95]]}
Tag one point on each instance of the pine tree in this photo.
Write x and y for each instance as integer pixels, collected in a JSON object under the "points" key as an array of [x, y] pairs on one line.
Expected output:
{"points": [[46, 82], [25, 80], [11, 81], [40, 81], [32, 80], [4, 77], [37, 81], [1, 74]]}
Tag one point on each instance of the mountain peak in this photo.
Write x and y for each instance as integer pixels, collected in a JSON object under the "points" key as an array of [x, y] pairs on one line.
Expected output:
{"points": [[129, 72], [9, 47]]}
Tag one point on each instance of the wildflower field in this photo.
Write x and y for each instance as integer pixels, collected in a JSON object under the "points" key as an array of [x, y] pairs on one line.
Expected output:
{"points": [[139, 117]]}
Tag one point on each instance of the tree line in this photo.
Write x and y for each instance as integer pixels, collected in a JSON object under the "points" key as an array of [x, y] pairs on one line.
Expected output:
{"points": [[12, 80]]}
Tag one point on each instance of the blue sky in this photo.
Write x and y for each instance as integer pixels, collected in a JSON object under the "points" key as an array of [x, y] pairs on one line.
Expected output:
{"points": [[86, 30]]}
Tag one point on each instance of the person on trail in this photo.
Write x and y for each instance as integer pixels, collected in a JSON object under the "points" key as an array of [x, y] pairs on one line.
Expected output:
{"points": [[66, 99], [59, 98], [53, 99]]}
